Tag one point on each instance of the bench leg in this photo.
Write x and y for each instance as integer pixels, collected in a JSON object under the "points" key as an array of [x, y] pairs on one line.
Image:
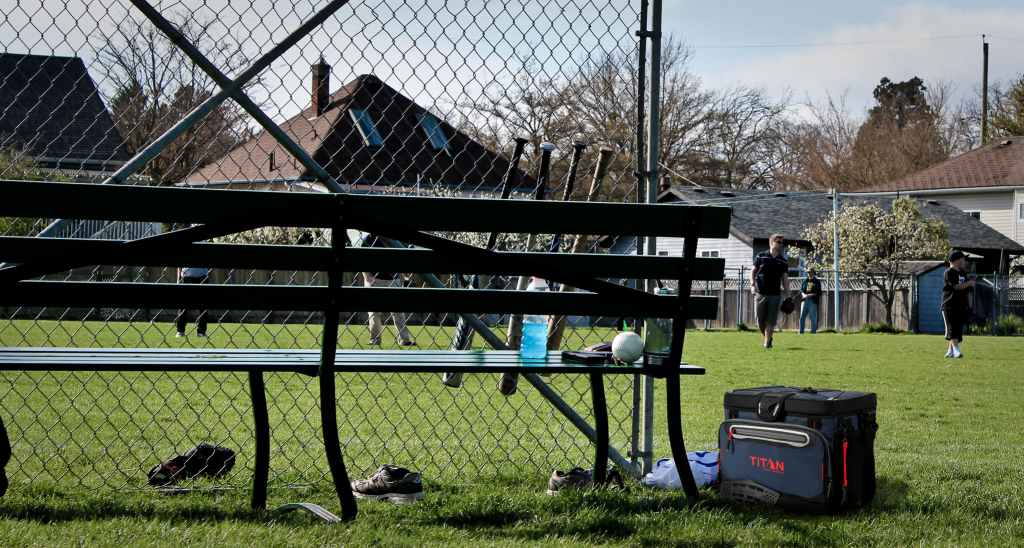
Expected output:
{"points": [[5, 457], [332, 446], [600, 427], [674, 421], [261, 427]]}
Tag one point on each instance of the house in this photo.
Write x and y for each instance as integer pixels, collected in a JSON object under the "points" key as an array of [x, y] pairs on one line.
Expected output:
{"points": [[370, 138], [51, 110], [757, 214], [987, 183]]}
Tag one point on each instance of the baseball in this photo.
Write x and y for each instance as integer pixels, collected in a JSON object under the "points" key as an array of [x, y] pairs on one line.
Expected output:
{"points": [[627, 347]]}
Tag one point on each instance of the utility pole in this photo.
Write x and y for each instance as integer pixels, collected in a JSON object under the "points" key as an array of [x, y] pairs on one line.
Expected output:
{"points": [[984, 90], [835, 249]]}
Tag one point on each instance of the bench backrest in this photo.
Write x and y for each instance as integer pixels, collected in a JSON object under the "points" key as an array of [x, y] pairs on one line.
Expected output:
{"points": [[407, 219]]}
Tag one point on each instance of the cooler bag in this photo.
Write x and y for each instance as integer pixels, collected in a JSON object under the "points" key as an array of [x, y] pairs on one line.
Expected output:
{"points": [[804, 449]]}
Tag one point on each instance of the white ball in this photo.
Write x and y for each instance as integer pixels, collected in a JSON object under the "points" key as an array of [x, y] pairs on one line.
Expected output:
{"points": [[627, 347]]}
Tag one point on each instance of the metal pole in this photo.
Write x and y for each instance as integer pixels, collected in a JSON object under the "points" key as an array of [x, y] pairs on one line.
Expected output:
{"points": [[984, 90], [835, 249], [200, 112], [239, 96]]}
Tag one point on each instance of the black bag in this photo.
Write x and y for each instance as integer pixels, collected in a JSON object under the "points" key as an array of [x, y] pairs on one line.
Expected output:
{"points": [[804, 449], [203, 459]]}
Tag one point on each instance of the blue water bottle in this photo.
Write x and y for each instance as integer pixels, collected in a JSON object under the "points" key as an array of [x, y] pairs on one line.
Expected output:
{"points": [[534, 344]]}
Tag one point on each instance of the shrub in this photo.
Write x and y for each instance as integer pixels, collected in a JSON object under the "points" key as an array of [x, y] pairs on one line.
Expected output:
{"points": [[880, 327], [1010, 324], [742, 326], [828, 330]]}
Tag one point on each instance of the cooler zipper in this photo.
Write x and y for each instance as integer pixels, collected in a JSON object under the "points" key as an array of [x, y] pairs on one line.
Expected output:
{"points": [[742, 429]]}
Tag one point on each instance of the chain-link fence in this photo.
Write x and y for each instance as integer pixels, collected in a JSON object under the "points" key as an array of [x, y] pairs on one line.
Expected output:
{"points": [[362, 96]]}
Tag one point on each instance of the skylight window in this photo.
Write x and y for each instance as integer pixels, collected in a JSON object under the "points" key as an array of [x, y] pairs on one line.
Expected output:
{"points": [[432, 127], [366, 128]]}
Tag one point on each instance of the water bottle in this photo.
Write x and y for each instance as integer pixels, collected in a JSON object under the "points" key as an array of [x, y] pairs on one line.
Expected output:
{"points": [[534, 344]]}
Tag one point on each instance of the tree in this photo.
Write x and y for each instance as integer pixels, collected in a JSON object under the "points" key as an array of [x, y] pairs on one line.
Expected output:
{"points": [[17, 165], [878, 242], [1006, 109], [910, 128], [153, 85]]}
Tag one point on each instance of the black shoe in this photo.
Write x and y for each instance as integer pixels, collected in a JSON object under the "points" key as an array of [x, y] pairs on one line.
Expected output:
{"points": [[577, 478], [390, 482], [768, 345]]}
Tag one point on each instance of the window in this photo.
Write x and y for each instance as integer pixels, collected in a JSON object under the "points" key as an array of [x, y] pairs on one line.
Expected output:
{"points": [[366, 128], [663, 253], [975, 214], [432, 128], [1020, 211], [709, 253]]}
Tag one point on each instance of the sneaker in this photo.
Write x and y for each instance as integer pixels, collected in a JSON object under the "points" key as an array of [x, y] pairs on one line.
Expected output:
{"points": [[577, 478], [950, 353], [179, 335], [958, 354], [373, 342], [392, 483], [508, 383], [453, 380], [408, 343], [201, 335], [768, 345]]}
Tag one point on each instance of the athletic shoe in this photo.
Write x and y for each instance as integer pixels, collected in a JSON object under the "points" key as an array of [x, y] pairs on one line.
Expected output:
{"points": [[768, 345], [577, 478], [373, 342], [408, 343], [958, 354], [392, 483], [453, 380], [508, 383], [201, 335], [950, 353], [179, 335]]}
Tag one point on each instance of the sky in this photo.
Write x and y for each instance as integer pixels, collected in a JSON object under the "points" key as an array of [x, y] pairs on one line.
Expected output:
{"points": [[808, 48], [830, 47]]}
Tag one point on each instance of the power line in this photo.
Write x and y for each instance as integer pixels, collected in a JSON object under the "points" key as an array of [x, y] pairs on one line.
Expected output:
{"points": [[848, 43], [1007, 39]]}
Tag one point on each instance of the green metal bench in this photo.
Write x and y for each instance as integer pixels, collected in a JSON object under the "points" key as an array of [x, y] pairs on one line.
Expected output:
{"points": [[405, 219]]}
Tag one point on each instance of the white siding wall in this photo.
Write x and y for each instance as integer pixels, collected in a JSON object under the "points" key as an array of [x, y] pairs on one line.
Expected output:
{"points": [[734, 251], [997, 208], [1018, 227]]}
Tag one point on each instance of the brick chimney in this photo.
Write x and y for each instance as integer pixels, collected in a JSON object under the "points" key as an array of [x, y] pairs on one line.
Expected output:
{"points": [[321, 85]]}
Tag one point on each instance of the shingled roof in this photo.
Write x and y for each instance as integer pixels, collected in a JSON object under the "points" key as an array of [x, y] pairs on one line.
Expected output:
{"points": [[49, 106], [405, 158], [757, 214], [999, 163]]}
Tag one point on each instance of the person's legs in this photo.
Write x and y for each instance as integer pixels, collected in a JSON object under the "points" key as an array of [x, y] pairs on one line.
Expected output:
{"points": [[201, 320], [181, 321], [805, 308], [814, 318], [759, 312], [767, 309], [399, 319], [954, 333], [375, 323]]}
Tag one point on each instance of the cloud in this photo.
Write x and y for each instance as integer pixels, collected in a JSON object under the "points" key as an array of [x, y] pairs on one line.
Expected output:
{"points": [[901, 55]]}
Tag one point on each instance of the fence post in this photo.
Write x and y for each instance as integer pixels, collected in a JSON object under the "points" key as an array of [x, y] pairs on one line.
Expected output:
{"points": [[995, 304]]}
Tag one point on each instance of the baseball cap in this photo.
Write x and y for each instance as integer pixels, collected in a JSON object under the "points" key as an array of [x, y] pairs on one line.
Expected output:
{"points": [[956, 254]]}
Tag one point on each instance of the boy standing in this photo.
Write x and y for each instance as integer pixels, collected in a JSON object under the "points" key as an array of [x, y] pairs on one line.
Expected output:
{"points": [[956, 301]]}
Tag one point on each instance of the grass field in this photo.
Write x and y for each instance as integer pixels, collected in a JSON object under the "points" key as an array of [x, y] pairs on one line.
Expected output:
{"points": [[950, 456]]}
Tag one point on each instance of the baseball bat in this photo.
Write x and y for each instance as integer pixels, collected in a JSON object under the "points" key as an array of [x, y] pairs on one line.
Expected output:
{"points": [[463, 337], [570, 182], [556, 326], [514, 335]]}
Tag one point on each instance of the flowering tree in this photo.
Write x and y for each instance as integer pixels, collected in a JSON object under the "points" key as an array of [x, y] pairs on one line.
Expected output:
{"points": [[878, 242]]}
